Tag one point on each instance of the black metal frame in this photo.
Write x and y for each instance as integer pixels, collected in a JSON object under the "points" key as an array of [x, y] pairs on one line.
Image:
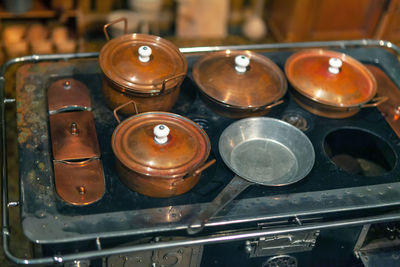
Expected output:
{"points": [[207, 239]]}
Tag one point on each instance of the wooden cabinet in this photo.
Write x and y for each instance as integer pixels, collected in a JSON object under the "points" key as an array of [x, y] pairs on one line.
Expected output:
{"points": [[389, 27], [315, 20]]}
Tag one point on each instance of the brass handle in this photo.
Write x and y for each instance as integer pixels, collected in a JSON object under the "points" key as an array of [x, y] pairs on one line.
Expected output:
{"points": [[122, 106], [114, 22], [376, 101], [274, 104], [164, 81]]}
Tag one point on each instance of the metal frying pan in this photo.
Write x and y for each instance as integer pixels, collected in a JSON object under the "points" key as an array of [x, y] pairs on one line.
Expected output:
{"points": [[259, 150]]}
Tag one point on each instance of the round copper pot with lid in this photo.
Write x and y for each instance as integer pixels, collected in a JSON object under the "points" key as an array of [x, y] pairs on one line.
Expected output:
{"points": [[239, 84], [331, 84], [145, 68], [160, 154]]}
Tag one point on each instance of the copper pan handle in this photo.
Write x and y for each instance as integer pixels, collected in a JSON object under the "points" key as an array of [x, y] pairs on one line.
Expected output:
{"points": [[163, 82], [122, 106], [376, 101], [202, 168], [274, 104], [114, 22]]}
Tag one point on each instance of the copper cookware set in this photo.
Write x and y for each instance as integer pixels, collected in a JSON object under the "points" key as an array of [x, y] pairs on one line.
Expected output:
{"points": [[162, 154]]}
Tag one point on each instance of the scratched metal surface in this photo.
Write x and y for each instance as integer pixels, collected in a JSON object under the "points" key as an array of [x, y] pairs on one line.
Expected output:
{"points": [[327, 189]]}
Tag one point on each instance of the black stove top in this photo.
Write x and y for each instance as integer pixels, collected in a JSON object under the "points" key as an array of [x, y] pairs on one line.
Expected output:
{"points": [[120, 207]]}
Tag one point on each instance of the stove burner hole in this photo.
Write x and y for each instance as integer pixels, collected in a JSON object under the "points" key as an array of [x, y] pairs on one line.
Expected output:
{"points": [[359, 152]]}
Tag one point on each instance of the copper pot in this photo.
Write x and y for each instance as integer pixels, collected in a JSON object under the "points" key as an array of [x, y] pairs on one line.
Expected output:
{"points": [[160, 154], [239, 84], [331, 84], [144, 68]]}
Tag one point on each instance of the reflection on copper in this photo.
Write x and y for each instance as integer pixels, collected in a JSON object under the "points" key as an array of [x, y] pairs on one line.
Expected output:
{"points": [[390, 109], [67, 85], [396, 115], [74, 135], [74, 129], [82, 190], [79, 183], [68, 94]]}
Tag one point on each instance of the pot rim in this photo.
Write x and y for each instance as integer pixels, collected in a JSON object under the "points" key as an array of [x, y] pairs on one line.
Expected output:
{"points": [[242, 108], [167, 173]]}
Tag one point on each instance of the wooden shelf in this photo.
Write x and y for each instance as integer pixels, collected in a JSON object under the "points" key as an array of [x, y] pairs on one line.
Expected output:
{"points": [[38, 11]]}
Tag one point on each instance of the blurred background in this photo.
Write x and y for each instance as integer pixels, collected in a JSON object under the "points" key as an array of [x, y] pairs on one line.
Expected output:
{"points": [[67, 26], [64, 26]]}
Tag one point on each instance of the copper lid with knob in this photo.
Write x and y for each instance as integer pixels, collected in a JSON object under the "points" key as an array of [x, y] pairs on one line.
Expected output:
{"points": [[160, 144], [330, 78], [240, 78], [142, 63]]}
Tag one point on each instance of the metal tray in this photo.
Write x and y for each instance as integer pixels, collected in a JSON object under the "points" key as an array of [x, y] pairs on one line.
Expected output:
{"points": [[46, 219]]}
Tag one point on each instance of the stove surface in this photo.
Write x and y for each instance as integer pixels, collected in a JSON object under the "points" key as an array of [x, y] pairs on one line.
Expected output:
{"points": [[327, 189]]}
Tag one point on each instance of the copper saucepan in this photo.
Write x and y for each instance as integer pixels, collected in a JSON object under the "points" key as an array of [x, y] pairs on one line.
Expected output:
{"points": [[331, 84], [160, 154], [145, 68], [239, 84]]}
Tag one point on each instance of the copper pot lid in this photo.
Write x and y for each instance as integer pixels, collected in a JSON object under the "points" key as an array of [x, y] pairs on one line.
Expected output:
{"points": [[141, 62], [160, 144], [330, 78], [242, 79]]}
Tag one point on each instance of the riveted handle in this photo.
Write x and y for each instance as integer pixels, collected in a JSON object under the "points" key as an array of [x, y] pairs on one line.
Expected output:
{"points": [[376, 101], [164, 81], [114, 22], [122, 106]]}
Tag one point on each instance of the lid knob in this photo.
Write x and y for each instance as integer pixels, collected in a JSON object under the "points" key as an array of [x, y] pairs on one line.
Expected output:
{"points": [[241, 63], [161, 133], [334, 65], [144, 53]]}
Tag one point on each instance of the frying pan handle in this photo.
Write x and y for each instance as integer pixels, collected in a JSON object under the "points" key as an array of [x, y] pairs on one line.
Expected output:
{"points": [[114, 22], [376, 101], [274, 104], [122, 106], [232, 190], [164, 81]]}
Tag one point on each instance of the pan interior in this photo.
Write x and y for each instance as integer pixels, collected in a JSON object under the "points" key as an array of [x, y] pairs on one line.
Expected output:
{"points": [[266, 151], [264, 160]]}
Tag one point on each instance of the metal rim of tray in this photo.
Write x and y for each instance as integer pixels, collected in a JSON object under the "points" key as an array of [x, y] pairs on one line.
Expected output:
{"points": [[208, 239]]}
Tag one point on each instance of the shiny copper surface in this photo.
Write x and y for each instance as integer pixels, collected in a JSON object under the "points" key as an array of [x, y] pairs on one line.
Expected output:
{"points": [[119, 61], [262, 84], [73, 135], [79, 183], [116, 96], [68, 94], [308, 73], [391, 108], [160, 170], [235, 112], [134, 145]]}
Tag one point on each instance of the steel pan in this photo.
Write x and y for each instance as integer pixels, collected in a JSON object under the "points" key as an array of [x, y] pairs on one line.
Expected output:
{"points": [[259, 150]]}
